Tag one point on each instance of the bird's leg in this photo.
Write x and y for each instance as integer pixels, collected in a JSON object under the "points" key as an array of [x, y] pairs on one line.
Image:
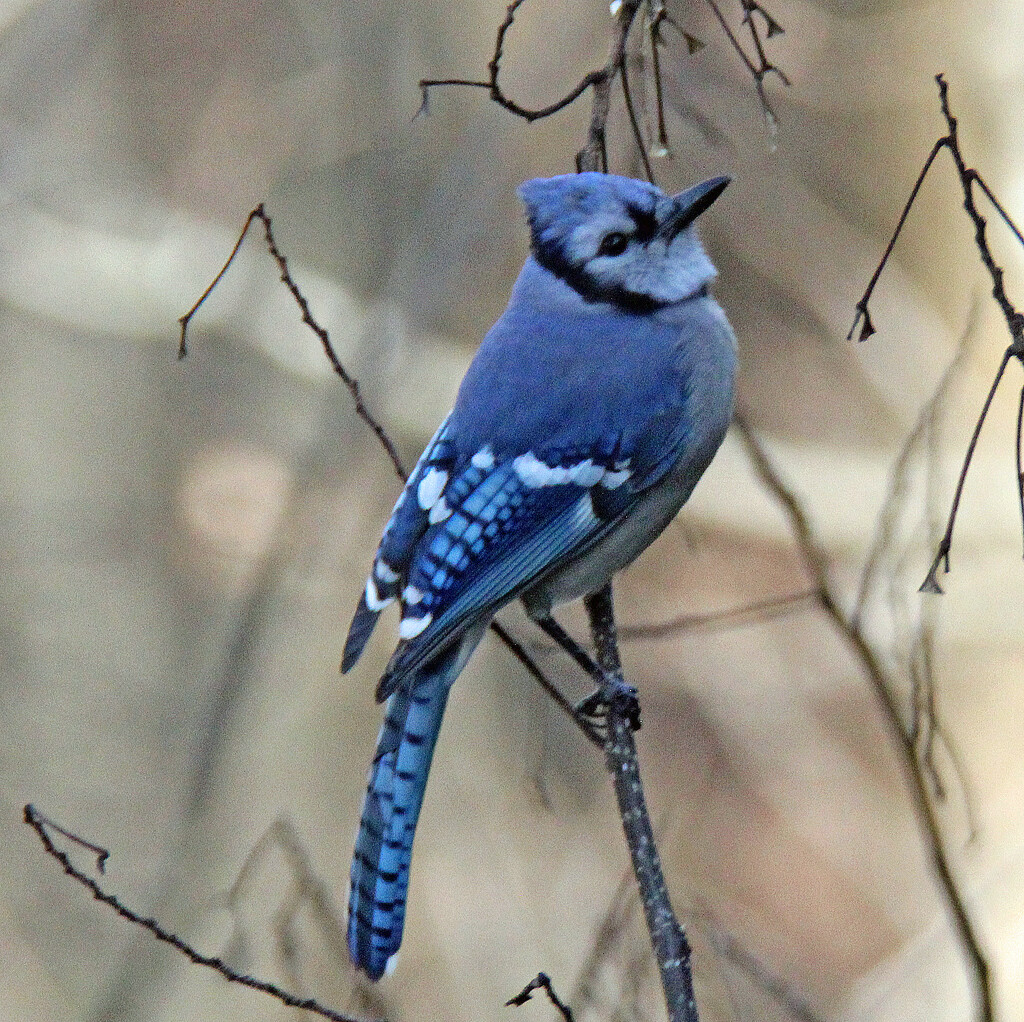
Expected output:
{"points": [[594, 706], [551, 627]]}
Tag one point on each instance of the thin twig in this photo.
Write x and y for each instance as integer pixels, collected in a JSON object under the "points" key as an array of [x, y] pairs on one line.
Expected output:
{"points": [[41, 825], [542, 981], [762, 68], [1014, 320], [751, 613], [980, 182], [659, 91], [862, 306], [259, 213], [39, 820], [931, 581], [635, 125]]}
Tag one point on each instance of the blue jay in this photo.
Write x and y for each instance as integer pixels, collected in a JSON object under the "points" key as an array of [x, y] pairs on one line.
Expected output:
{"points": [[586, 418]]}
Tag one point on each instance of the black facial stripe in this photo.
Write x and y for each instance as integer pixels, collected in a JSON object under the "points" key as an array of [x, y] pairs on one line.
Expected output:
{"points": [[551, 258], [646, 223]]}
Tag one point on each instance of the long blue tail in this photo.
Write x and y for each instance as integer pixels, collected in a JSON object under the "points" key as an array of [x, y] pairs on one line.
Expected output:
{"points": [[394, 794]]}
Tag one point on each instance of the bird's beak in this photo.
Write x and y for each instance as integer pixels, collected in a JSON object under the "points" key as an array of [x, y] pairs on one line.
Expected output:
{"points": [[689, 205]]}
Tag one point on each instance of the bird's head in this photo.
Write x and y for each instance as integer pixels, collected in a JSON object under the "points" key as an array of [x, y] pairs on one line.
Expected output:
{"points": [[618, 240]]}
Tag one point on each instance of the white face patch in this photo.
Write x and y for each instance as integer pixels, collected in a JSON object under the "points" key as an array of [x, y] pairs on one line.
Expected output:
{"points": [[430, 487], [412, 595], [585, 240], [483, 459], [373, 600], [439, 512], [534, 473], [410, 627], [666, 273], [385, 573]]}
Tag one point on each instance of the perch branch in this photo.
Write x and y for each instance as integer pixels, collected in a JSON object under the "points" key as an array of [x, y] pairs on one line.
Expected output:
{"points": [[668, 938]]}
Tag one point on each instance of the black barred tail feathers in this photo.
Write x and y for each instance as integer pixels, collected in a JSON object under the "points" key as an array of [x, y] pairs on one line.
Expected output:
{"points": [[394, 795]]}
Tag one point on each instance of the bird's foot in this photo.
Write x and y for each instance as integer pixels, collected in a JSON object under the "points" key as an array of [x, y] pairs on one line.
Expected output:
{"points": [[618, 695]]}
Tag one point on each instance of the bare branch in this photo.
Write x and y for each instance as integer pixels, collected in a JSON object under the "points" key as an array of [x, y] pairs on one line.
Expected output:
{"points": [[540, 982], [1014, 320], [41, 825], [914, 773], [259, 213], [593, 155], [596, 79]]}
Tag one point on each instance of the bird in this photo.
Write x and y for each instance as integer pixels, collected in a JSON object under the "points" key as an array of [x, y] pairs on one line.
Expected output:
{"points": [[588, 414]]}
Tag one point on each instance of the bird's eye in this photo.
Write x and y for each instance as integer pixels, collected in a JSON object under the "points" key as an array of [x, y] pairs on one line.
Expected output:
{"points": [[613, 244]]}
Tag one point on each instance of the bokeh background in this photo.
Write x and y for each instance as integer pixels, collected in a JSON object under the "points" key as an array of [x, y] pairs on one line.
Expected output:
{"points": [[182, 543]]}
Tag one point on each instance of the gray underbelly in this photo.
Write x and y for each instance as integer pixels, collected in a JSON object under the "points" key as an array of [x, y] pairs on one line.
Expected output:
{"points": [[626, 540]]}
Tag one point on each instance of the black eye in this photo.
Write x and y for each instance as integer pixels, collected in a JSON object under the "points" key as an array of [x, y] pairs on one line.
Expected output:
{"points": [[613, 244]]}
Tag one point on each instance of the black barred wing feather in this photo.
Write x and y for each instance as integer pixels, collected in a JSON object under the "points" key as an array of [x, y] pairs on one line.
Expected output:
{"points": [[497, 527], [409, 520]]}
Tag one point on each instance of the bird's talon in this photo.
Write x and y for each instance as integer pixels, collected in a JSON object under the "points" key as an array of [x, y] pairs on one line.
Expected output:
{"points": [[595, 707], [627, 704]]}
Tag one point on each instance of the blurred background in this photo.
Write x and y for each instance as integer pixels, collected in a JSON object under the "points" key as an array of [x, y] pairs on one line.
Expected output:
{"points": [[182, 543]]}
